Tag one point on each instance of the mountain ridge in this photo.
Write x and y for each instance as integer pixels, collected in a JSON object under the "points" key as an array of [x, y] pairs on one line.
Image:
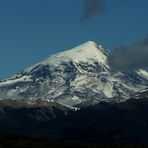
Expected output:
{"points": [[75, 76]]}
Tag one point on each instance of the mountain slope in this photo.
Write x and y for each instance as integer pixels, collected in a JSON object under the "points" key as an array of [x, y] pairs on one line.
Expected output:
{"points": [[125, 122], [76, 76]]}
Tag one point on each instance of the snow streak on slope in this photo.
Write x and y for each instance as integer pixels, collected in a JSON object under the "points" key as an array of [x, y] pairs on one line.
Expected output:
{"points": [[12, 81], [74, 76]]}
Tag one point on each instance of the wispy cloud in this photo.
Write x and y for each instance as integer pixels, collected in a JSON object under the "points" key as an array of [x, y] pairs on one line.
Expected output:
{"points": [[10, 95], [92, 8]]}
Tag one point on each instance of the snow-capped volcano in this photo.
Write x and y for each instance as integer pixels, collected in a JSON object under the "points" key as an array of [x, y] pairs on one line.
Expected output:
{"points": [[75, 76]]}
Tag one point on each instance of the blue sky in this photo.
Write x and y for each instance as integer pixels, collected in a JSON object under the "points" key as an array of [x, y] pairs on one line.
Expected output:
{"points": [[31, 30]]}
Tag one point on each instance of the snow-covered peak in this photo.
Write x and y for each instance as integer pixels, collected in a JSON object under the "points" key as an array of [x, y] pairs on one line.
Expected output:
{"points": [[74, 76], [86, 52]]}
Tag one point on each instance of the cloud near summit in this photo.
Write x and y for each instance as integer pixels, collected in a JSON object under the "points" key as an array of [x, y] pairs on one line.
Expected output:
{"points": [[131, 57]]}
